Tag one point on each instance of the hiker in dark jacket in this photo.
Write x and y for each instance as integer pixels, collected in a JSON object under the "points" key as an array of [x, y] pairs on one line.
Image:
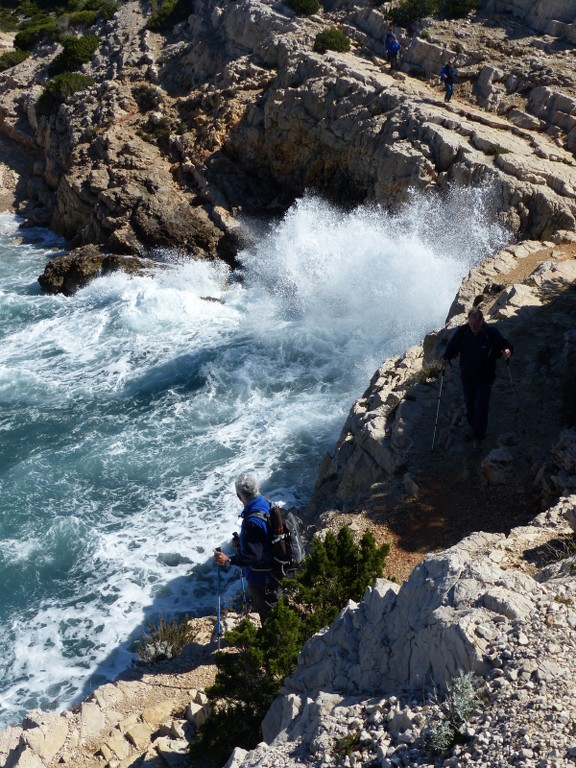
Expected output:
{"points": [[253, 548], [479, 346], [448, 77]]}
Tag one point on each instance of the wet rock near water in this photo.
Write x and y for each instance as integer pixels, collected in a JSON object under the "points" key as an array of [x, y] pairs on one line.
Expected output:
{"points": [[66, 274]]}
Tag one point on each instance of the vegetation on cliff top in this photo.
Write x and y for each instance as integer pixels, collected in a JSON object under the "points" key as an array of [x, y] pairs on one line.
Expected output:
{"points": [[408, 12]]}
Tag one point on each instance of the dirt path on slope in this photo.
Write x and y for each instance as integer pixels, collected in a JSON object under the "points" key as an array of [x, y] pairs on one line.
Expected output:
{"points": [[452, 498]]}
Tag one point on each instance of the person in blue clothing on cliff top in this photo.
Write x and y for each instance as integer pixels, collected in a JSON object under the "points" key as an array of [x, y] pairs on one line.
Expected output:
{"points": [[253, 547], [448, 77], [479, 346], [392, 49]]}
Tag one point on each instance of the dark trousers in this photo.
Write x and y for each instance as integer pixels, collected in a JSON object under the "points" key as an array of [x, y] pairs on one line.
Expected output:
{"points": [[448, 91], [476, 398], [262, 596]]}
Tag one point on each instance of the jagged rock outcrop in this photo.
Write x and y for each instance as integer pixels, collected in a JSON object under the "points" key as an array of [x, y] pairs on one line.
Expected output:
{"points": [[66, 274], [235, 112]]}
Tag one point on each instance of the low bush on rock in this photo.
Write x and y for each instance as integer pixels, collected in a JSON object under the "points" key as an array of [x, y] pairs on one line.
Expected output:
{"points": [[164, 640], [251, 670], [408, 12], [168, 13], [9, 59], [333, 39], [458, 705], [59, 89], [304, 7], [8, 20], [77, 51], [34, 31]]}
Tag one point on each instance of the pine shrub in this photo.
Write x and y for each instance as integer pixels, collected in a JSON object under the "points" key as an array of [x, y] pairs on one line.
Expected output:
{"points": [[59, 89], [33, 32], [251, 671], [83, 18], [77, 51], [9, 59], [332, 39], [169, 13], [8, 20], [304, 7]]}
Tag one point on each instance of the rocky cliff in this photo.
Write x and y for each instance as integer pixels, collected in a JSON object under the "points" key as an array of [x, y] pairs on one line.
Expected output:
{"points": [[234, 113]]}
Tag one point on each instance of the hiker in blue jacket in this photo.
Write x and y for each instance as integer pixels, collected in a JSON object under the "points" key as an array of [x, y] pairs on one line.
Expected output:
{"points": [[479, 346], [448, 77], [253, 547], [392, 49]]}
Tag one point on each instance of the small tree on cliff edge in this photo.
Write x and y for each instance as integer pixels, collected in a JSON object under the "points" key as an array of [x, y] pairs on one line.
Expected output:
{"points": [[252, 669]]}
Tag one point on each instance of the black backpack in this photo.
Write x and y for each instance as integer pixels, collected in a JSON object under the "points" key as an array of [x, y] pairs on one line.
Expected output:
{"points": [[285, 534]]}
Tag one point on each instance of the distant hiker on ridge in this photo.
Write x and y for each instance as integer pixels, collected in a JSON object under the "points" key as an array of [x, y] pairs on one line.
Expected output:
{"points": [[448, 77], [392, 49], [253, 548], [479, 346]]}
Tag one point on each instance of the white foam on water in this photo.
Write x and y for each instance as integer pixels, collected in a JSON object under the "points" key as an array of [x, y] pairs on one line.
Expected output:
{"points": [[127, 410]]}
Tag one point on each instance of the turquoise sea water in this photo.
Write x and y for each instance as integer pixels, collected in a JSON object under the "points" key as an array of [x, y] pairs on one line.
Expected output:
{"points": [[127, 410]]}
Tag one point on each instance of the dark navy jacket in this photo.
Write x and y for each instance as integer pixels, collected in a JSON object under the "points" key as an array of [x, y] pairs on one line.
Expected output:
{"points": [[478, 352], [255, 551], [448, 74]]}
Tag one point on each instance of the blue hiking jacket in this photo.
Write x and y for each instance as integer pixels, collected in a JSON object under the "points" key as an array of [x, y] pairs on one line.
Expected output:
{"points": [[254, 554]]}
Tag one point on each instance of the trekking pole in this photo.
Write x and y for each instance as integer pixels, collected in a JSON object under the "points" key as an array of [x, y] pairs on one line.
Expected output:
{"points": [[244, 598], [218, 615], [438, 406], [513, 385]]}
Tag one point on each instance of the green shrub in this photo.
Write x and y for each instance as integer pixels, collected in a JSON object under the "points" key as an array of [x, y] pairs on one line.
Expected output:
{"points": [[59, 89], [251, 672], [8, 20], [83, 18], [304, 7], [169, 13], [104, 8], [410, 11], [333, 39], [11, 58], [459, 703], [77, 51], [33, 32]]}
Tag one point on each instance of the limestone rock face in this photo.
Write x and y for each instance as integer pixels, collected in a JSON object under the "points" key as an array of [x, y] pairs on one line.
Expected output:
{"points": [[527, 289], [474, 609], [234, 112]]}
